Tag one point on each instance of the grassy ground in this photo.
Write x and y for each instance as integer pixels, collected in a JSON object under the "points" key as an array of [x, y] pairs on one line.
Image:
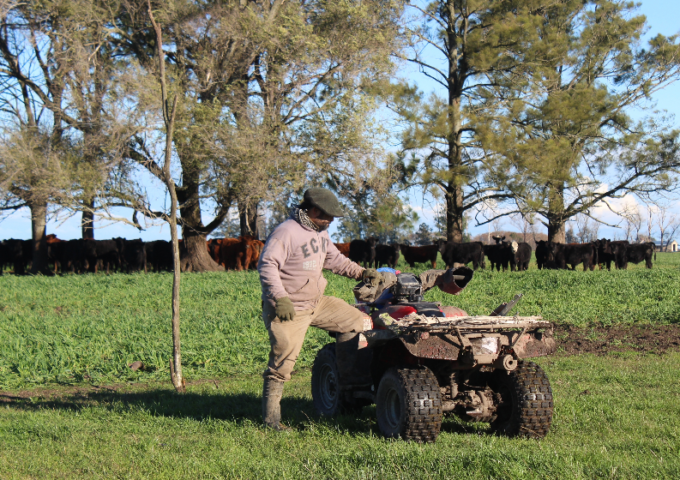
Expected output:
{"points": [[65, 338], [90, 327], [617, 417]]}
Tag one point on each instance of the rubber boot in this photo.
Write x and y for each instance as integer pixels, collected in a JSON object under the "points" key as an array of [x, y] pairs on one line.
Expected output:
{"points": [[272, 392], [354, 364]]}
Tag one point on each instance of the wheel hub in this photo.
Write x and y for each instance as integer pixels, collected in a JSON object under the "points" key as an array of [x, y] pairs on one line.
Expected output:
{"points": [[393, 408], [329, 387]]}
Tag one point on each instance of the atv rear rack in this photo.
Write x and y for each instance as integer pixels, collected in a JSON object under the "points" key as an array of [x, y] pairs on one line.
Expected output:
{"points": [[479, 322]]}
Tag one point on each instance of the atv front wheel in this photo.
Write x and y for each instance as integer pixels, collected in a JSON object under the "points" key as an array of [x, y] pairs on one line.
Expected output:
{"points": [[326, 394], [408, 404], [526, 404]]}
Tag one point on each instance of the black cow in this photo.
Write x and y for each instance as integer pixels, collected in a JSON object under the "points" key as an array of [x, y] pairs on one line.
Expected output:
{"points": [[387, 254], [3, 257], [55, 254], [542, 254], [68, 256], [363, 251], [102, 253], [134, 254], [19, 253], [159, 255], [453, 252], [500, 255], [619, 249], [424, 254], [573, 254], [640, 251], [108, 254], [604, 253], [523, 256], [608, 252]]}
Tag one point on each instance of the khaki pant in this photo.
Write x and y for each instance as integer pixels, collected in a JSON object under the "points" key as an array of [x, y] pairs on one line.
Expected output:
{"points": [[286, 338]]}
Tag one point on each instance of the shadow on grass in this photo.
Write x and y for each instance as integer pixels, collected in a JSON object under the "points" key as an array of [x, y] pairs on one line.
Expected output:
{"points": [[157, 402], [238, 408]]}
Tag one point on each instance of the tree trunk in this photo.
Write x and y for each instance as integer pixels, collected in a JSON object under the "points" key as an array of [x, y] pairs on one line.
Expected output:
{"points": [[556, 232], [454, 214], [194, 255], [556, 220], [457, 72], [169, 118], [39, 238], [87, 220], [247, 212]]}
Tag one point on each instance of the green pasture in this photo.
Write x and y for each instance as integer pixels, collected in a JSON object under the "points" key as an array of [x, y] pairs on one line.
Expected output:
{"points": [[88, 328], [615, 417]]}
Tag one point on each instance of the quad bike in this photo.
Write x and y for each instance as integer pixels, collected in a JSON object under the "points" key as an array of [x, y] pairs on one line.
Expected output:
{"points": [[419, 360]]}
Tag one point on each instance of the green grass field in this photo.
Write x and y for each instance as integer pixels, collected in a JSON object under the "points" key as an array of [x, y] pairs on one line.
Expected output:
{"points": [[90, 327], [616, 416]]}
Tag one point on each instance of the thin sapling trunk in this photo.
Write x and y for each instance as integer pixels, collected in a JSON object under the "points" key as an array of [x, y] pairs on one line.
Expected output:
{"points": [[169, 119]]}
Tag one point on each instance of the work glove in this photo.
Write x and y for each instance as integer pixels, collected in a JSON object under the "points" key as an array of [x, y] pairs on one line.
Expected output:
{"points": [[284, 309], [372, 277]]}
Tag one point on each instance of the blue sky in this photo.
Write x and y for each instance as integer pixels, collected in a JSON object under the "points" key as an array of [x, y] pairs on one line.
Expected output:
{"points": [[662, 17]]}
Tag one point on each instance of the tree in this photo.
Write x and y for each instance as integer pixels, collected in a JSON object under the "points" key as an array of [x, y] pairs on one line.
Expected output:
{"points": [[38, 157], [385, 216], [462, 45], [632, 219], [423, 234], [33, 173], [566, 127], [263, 88], [525, 223], [58, 56], [586, 228], [667, 223]]}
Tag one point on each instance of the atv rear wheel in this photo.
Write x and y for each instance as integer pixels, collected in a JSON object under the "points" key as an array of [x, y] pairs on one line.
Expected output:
{"points": [[526, 403], [408, 404], [326, 394]]}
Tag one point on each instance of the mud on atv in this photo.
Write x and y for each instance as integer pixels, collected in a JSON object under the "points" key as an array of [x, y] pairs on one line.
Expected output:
{"points": [[420, 360]]}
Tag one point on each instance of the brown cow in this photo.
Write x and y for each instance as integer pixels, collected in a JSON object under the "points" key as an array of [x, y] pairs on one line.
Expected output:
{"points": [[344, 248], [228, 252], [257, 245], [237, 253], [424, 254], [250, 252]]}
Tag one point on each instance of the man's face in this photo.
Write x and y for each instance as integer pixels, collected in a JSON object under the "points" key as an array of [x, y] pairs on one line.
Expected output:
{"points": [[320, 219]]}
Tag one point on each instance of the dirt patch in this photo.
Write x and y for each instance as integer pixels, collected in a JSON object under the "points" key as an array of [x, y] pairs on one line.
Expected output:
{"points": [[653, 339]]}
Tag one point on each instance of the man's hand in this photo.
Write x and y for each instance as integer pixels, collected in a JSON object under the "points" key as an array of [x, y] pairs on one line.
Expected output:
{"points": [[284, 309], [372, 277]]}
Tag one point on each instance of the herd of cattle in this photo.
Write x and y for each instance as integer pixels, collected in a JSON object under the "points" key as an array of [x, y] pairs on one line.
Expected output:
{"points": [[119, 254], [503, 254]]}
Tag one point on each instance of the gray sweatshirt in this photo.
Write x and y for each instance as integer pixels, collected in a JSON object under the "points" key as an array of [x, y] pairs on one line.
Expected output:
{"points": [[291, 263]]}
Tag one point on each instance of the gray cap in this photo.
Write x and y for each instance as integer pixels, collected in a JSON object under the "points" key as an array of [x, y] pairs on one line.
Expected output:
{"points": [[324, 200]]}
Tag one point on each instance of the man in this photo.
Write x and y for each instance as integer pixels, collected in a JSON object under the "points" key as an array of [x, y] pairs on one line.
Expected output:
{"points": [[290, 267]]}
